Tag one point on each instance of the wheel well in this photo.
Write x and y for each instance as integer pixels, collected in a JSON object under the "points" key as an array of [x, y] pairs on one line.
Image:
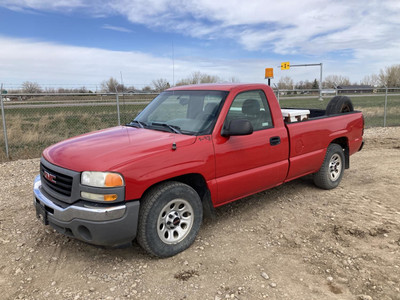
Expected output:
{"points": [[343, 142], [198, 183]]}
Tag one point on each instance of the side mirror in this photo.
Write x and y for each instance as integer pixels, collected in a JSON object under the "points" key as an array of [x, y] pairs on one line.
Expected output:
{"points": [[237, 127]]}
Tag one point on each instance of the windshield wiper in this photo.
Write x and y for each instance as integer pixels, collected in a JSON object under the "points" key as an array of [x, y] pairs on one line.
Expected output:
{"points": [[172, 128], [141, 124]]}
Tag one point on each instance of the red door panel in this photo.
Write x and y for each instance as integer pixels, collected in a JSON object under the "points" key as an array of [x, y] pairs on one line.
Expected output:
{"points": [[249, 164]]}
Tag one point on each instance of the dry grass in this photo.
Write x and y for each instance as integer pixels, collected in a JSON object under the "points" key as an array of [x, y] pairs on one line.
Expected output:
{"points": [[28, 136], [30, 130], [378, 111]]}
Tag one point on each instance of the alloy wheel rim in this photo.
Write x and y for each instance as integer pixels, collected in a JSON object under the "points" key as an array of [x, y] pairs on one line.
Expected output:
{"points": [[335, 167], [175, 221]]}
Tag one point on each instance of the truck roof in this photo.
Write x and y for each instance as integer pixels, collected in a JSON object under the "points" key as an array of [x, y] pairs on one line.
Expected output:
{"points": [[217, 86]]}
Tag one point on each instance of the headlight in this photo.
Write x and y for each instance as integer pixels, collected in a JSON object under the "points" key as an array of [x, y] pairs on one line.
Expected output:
{"points": [[101, 179]]}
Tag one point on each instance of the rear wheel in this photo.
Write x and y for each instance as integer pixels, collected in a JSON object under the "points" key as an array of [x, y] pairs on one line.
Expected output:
{"points": [[170, 218], [339, 104], [331, 172]]}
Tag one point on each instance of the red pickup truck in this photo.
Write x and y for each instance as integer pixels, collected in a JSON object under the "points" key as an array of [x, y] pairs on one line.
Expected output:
{"points": [[193, 148]]}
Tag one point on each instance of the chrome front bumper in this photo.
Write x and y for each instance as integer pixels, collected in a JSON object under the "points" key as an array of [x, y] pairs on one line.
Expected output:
{"points": [[108, 226], [85, 212]]}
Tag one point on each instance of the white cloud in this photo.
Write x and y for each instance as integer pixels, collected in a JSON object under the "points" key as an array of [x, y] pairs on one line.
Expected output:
{"points": [[287, 26], [56, 65], [116, 28], [42, 4], [60, 65], [365, 31]]}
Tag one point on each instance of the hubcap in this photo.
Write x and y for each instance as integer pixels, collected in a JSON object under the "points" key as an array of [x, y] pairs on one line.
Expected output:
{"points": [[335, 167], [175, 221]]}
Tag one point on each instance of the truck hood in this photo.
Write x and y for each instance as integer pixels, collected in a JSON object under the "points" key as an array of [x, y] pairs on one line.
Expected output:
{"points": [[108, 149]]}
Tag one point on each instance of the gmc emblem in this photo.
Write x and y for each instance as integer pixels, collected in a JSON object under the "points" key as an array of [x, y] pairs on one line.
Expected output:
{"points": [[49, 177]]}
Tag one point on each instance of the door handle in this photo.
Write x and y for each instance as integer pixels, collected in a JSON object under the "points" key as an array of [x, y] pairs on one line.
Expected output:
{"points": [[275, 140]]}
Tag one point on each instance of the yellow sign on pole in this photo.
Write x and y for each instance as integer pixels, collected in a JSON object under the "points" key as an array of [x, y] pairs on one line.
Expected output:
{"points": [[285, 65], [269, 72]]}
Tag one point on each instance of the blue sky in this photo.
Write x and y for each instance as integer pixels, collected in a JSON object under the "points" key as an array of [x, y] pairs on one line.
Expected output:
{"points": [[81, 43]]}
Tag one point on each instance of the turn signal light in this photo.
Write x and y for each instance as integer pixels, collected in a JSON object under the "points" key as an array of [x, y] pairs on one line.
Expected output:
{"points": [[111, 197], [113, 180], [99, 197]]}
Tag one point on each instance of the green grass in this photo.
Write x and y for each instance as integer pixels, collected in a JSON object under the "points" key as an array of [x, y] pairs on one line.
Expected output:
{"points": [[30, 130], [371, 106]]}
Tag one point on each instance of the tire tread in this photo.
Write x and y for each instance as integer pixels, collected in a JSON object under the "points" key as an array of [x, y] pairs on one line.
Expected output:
{"points": [[321, 178], [338, 104], [147, 203]]}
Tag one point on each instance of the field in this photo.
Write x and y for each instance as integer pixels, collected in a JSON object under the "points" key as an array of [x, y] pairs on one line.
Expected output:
{"points": [[291, 242], [372, 107], [35, 123]]}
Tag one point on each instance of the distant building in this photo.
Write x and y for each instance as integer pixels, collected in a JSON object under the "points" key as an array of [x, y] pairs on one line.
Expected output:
{"points": [[355, 89]]}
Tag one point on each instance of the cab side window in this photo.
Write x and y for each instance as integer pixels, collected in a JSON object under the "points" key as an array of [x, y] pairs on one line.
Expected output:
{"points": [[252, 106]]}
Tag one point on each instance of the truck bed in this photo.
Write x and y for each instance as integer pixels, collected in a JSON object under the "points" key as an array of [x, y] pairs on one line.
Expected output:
{"points": [[309, 139], [314, 113]]}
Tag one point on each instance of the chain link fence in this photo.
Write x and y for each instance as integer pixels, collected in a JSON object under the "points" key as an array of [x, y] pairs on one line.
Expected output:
{"points": [[380, 106], [31, 122]]}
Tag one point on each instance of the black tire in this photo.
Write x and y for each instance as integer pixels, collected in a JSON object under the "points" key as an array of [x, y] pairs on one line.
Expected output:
{"points": [[170, 218], [331, 172], [338, 105]]}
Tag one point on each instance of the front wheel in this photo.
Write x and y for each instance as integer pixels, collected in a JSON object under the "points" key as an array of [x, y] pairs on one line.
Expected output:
{"points": [[170, 218], [331, 172]]}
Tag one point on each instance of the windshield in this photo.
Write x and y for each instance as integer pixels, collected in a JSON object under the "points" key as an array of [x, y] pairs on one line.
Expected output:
{"points": [[186, 112]]}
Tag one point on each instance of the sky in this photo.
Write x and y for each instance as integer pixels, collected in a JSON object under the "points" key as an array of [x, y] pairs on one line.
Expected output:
{"points": [[73, 43]]}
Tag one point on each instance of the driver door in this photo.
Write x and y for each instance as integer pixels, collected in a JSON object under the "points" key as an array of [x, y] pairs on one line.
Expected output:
{"points": [[250, 163]]}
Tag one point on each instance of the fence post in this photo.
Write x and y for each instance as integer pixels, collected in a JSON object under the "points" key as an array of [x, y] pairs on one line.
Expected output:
{"points": [[320, 85], [277, 91], [4, 121], [384, 112], [119, 118]]}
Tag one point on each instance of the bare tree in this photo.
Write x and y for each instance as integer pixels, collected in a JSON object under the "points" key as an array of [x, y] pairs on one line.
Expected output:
{"points": [[206, 78], [233, 79], [82, 89], [147, 89], [304, 85], [130, 89], [49, 90], [31, 87], [333, 81], [111, 86], [198, 77], [160, 84], [371, 80], [285, 83], [390, 76]]}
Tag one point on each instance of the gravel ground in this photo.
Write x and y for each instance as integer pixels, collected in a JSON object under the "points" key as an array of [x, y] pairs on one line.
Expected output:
{"points": [[291, 242]]}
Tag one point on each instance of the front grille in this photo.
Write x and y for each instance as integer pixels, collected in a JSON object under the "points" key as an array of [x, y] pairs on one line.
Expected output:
{"points": [[59, 183]]}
